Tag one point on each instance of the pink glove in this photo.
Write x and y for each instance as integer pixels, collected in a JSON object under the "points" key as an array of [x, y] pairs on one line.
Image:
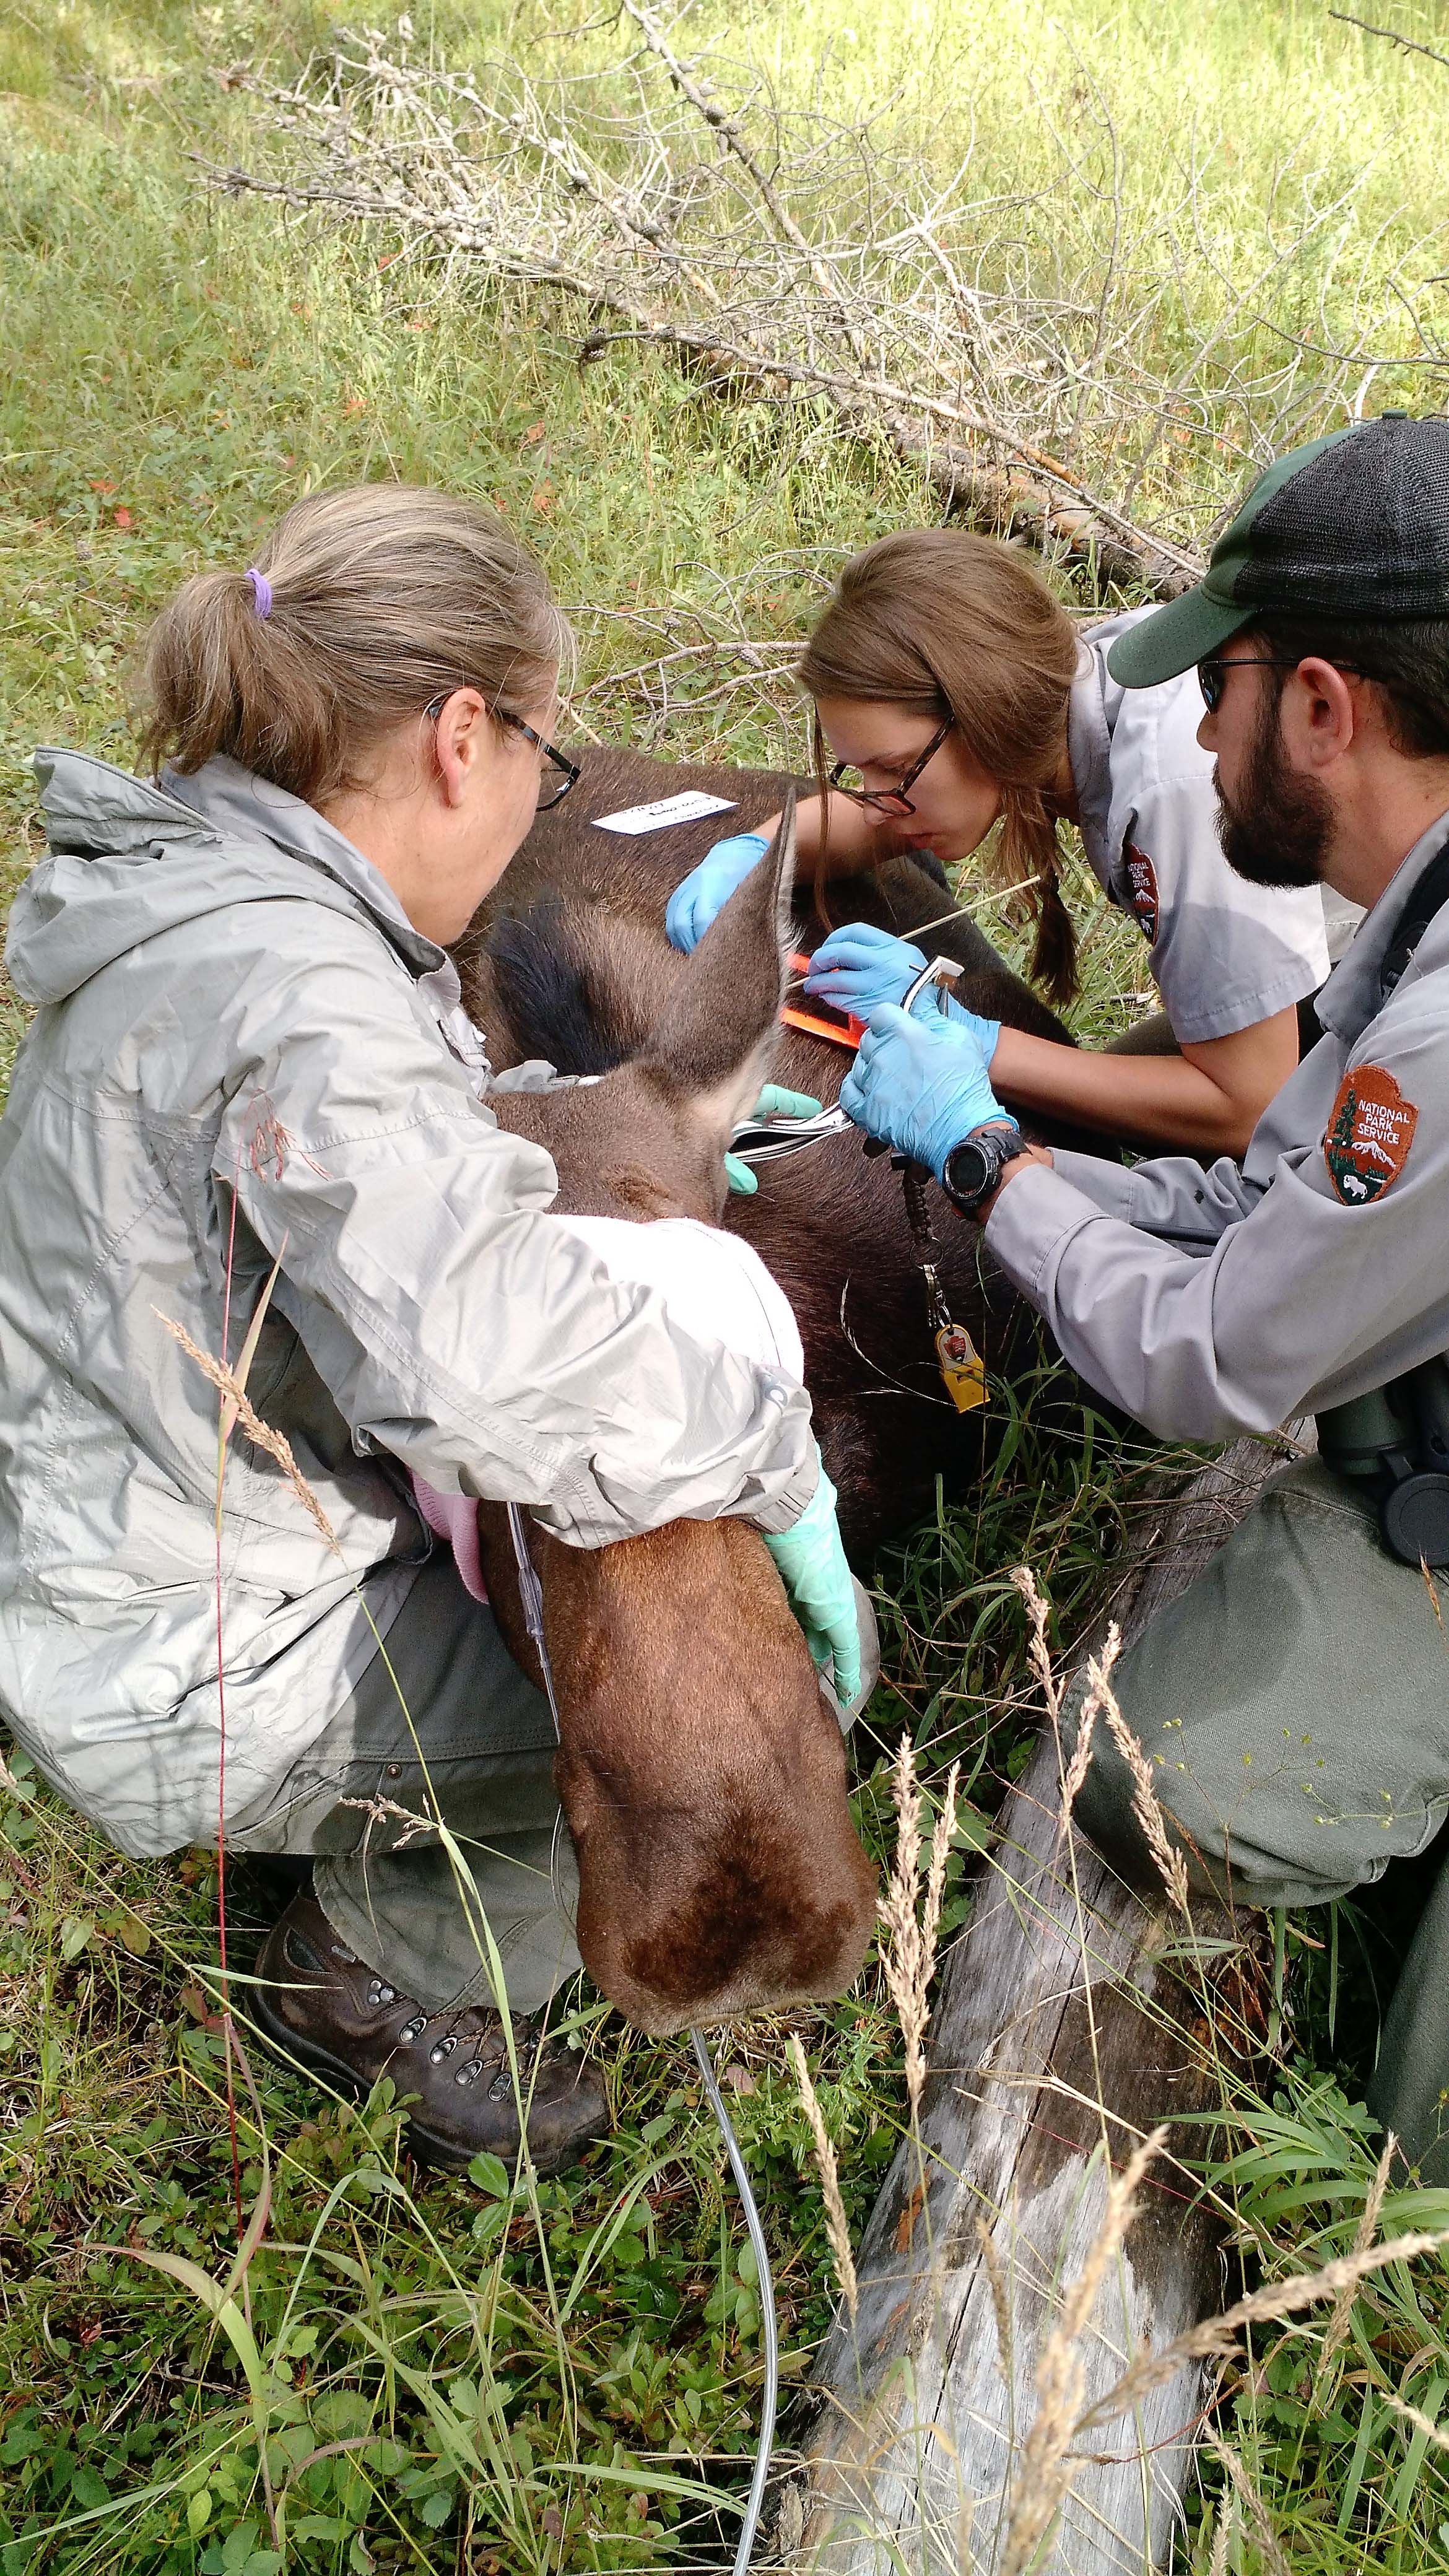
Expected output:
{"points": [[455, 1518]]}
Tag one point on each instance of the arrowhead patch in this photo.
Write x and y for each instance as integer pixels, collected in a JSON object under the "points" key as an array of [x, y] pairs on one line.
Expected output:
{"points": [[1366, 1143], [1142, 888]]}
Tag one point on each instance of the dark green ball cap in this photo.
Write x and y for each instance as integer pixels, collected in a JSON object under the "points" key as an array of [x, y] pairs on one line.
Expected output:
{"points": [[1354, 525]]}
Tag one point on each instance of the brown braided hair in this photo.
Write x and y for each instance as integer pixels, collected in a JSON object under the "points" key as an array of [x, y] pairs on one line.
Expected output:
{"points": [[947, 623]]}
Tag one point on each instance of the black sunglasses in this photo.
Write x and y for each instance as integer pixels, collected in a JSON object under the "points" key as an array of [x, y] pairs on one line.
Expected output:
{"points": [[887, 800], [1212, 675], [569, 769]]}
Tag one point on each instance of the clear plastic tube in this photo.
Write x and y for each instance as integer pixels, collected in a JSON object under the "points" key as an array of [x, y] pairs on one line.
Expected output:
{"points": [[756, 2496]]}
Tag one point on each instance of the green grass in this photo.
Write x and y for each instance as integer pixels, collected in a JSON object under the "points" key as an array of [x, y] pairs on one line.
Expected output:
{"points": [[178, 368]]}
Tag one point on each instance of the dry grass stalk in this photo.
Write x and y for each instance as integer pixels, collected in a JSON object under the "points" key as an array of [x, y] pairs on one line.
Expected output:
{"points": [[1226, 2525], [1099, 1679], [1099, 1702], [1257, 2512], [1047, 2465], [836, 2227], [275, 1443], [1039, 1656], [941, 1832], [1364, 2235], [1166, 1858], [1038, 1651], [1217, 2335], [382, 1811], [1422, 2423], [909, 1958]]}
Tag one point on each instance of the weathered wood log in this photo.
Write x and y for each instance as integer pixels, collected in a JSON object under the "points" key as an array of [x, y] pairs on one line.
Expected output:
{"points": [[1061, 2028]]}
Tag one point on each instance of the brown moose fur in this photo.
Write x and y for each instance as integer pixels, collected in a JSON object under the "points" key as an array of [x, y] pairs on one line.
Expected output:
{"points": [[568, 960], [702, 1773]]}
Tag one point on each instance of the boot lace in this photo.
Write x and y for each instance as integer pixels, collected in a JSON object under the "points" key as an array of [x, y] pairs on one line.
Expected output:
{"points": [[488, 2048]]}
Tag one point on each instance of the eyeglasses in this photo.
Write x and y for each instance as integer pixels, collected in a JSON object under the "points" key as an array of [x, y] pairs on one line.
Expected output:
{"points": [[559, 760], [1212, 675], [887, 800]]}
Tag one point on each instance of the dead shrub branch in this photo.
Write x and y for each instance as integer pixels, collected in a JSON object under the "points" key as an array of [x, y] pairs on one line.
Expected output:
{"points": [[1055, 364]]}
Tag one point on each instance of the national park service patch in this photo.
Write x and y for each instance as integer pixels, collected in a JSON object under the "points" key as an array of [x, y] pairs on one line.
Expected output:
{"points": [[1366, 1143], [1142, 888]]}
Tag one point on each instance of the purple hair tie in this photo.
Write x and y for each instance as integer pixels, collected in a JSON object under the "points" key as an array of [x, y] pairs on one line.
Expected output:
{"points": [[261, 591]]}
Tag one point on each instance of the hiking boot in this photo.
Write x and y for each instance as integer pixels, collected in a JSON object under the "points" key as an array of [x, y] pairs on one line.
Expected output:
{"points": [[316, 2001]]}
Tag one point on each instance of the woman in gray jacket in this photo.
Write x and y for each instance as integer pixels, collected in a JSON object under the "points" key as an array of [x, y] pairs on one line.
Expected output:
{"points": [[249, 1050]]}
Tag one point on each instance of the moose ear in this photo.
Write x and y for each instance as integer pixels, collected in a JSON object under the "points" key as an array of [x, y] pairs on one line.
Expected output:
{"points": [[712, 1048]]}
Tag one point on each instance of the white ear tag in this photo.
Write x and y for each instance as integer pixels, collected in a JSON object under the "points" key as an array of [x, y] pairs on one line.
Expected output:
{"points": [[689, 806]]}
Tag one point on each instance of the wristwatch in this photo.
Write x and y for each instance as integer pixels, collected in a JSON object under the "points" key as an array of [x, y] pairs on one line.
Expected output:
{"points": [[973, 1168]]}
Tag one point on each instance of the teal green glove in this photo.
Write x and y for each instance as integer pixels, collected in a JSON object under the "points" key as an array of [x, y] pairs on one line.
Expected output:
{"points": [[772, 1103], [816, 1577]]}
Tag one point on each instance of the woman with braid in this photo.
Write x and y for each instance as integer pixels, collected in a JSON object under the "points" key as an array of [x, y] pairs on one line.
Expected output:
{"points": [[954, 694]]}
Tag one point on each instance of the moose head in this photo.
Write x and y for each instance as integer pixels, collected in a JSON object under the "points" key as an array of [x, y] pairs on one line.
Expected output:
{"points": [[700, 1768]]}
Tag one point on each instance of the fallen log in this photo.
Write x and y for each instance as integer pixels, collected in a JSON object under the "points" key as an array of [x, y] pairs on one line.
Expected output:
{"points": [[1068, 2022]]}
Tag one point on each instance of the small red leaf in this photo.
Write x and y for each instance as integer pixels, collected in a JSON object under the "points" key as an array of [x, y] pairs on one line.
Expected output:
{"points": [[196, 2006]]}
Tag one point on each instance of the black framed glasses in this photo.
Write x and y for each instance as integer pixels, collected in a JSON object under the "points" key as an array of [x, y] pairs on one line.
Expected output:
{"points": [[886, 800], [568, 770], [1212, 675]]}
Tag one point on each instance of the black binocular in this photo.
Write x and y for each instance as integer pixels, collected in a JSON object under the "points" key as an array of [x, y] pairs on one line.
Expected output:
{"points": [[1395, 1445]]}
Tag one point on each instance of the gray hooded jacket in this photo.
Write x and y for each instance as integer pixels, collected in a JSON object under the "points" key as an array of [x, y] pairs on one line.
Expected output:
{"points": [[243, 1052]]}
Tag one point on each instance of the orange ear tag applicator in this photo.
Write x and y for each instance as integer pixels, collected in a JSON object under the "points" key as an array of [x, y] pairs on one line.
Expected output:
{"points": [[842, 1032]]}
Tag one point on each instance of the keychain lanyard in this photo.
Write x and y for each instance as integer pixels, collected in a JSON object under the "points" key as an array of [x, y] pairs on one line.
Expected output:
{"points": [[963, 1370]]}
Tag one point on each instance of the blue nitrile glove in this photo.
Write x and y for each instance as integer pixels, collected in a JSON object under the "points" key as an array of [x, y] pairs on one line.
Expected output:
{"points": [[707, 888], [816, 1577], [860, 967], [773, 1102], [922, 1084]]}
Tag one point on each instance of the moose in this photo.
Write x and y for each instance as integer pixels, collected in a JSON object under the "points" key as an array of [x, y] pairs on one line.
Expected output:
{"points": [[701, 1769]]}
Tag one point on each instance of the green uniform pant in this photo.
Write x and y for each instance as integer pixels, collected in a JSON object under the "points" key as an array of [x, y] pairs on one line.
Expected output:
{"points": [[1295, 1705], [463, 1735]]}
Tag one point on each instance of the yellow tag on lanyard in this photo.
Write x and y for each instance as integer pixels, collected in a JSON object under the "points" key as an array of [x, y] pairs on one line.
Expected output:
{"points": [[963, 1371]]}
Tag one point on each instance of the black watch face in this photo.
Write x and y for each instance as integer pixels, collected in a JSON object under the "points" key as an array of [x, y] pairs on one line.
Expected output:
{"points": [[968, 1170]]}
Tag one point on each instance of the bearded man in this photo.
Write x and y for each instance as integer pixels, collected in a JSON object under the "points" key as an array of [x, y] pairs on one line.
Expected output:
{"points": [[1295, 1700]]}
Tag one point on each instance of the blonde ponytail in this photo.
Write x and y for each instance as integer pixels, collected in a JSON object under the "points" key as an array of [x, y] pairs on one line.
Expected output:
{"points": [[365, 605]]}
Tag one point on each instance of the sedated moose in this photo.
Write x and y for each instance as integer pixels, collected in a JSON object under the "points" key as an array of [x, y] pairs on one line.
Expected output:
{"points": [[701, 1770]]}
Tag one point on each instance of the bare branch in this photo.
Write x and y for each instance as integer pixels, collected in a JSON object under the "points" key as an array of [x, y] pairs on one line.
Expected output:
{"points": [[1063, 365], [1390, 35], [701, 94]]}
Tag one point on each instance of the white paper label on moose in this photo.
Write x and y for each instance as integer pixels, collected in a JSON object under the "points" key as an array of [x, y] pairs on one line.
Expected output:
{"points": [[687, 807]]}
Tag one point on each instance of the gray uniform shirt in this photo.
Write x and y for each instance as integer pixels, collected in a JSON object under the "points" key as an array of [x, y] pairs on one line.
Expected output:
{"points": [[1225, 954], [243, 1051], [1317, 1271]]}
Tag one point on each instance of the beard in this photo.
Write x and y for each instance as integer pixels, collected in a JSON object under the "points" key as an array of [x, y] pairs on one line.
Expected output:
{"points": [[1278, 831]]}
